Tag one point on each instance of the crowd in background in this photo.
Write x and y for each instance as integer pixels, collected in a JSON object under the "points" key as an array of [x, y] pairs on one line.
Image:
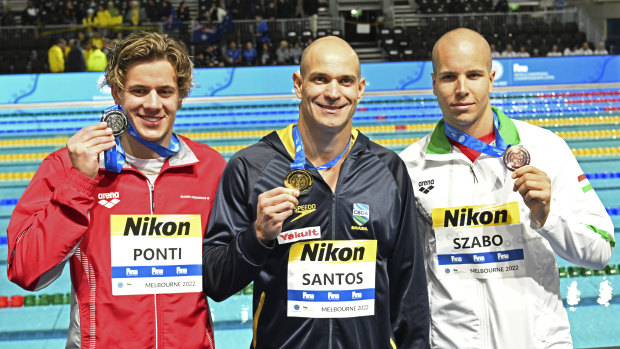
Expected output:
{"points": [[585, 49], [99, 24]]}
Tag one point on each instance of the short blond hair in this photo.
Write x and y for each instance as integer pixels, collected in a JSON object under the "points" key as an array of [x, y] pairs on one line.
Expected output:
{"points": [[144, 46]]}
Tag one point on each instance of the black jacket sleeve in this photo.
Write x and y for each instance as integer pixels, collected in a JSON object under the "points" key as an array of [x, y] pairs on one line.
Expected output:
{"points": [[232, 253]]}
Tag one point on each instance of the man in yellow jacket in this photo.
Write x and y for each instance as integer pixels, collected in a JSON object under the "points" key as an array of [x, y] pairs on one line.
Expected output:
{"points": [[97, 60], [56, 56]]}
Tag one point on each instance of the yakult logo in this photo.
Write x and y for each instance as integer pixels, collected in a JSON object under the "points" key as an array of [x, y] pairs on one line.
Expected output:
{"points": [[108, 200], [309, 233]]}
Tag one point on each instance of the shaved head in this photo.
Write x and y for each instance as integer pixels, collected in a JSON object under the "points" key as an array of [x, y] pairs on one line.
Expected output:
{"points": [[328, 45], [461, 38]]}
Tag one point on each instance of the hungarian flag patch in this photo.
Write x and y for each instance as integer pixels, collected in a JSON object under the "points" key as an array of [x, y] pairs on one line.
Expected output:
{"points": [[585, 183]]}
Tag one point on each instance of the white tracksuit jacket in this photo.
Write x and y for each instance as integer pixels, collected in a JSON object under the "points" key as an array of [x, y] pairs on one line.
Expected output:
{"points": [[492, 274]]}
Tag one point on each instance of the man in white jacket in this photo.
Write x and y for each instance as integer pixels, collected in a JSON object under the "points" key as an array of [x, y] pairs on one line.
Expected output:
{"points": [[492, 224]]}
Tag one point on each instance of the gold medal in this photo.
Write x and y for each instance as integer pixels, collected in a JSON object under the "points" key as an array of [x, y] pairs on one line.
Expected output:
{"points": [[298, 179], [516, 157]]}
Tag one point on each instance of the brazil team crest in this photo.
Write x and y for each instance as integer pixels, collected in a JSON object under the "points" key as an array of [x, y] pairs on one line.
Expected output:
{"points": [[361, 213]]}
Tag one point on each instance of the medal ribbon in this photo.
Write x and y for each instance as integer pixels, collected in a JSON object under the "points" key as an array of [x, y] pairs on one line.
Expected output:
{"points": [[476, 144], [114, 158], [300, 155]]}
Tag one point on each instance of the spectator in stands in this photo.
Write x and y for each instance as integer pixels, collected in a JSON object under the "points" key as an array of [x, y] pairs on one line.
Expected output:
{"points": [[213, 56], [90, 21], [270, 10], [65, 213], [115, 15], [52, 15], [183, 12], [90, 4], [283, 53], [266, 58], [585, 49], [96, 40], [75, 59], [296, 52], [172, 23], [249, 54], [153, 11], [572, 50], [494, 52], [56, 56], [82, 38], [233, 54], [502, 6], [600, 49], [216, 14], [31, 14], [311, 10], [69, 15], [97, 60], [8, 18], [88, 48], [285, 9], [167, 11], [262, 30], [103, 17], [199, 60], [522, 52], [238, 9], [508, 52], [555, 51], [135, 14], [108, 45]]}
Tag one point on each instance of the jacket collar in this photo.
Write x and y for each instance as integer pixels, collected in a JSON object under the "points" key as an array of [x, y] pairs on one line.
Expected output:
{"points": [[282, 140], [439, 143], [185, 156]]}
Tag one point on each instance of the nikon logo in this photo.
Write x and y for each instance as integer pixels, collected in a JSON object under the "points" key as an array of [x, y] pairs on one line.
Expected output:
{"points": [[477, 215], [326, 252], [147, 226], [467, 217]]}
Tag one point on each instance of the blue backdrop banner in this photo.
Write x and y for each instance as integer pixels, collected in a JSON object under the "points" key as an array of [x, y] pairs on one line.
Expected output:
{"points": [[244, 81]]}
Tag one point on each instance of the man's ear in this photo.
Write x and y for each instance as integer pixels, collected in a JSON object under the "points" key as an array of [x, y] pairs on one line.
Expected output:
{"points": [[298, 83]]}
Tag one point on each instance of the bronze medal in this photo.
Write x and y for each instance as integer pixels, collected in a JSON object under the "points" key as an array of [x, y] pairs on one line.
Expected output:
{"points": [[298, 179], [116, 120], [515, 157]]}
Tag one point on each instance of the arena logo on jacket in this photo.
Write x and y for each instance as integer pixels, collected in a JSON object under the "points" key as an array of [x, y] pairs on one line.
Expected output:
{"points": [[108, 200], [480, 241], [361, 215]]}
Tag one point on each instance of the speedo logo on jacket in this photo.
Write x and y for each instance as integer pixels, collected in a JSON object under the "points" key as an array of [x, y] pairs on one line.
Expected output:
{"points": [[475, 216]]}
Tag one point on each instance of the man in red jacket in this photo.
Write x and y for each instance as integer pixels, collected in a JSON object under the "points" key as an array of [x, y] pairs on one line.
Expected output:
{"points": [[129, 222]]}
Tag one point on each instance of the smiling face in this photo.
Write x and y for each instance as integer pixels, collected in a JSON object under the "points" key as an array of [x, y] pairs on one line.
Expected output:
{"points": [[150, 100], [463, 80], [329, 86]]}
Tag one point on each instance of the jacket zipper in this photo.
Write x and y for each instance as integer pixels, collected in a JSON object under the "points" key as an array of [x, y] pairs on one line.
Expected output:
{"points": [[333, 231], [21, 236], [152, 199], [471, 168], [482, 294], [484, 321]]}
